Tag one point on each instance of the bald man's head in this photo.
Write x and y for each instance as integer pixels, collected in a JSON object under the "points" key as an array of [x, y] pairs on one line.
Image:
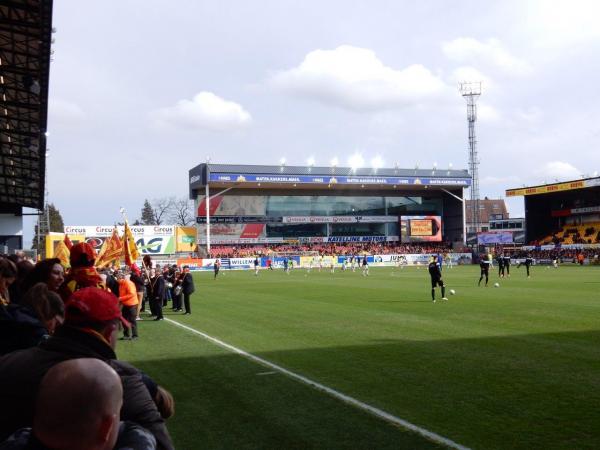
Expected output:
{"points": [[78, 405]]}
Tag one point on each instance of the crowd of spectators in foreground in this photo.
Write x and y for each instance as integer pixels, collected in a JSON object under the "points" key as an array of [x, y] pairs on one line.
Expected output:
{"points": [[327, 249], [61, 383]]}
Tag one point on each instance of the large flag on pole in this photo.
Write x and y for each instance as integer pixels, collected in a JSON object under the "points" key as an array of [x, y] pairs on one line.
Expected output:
{"points": [[130, 250], [112, 250], [68, 242], [102, 250], [63, 253]]}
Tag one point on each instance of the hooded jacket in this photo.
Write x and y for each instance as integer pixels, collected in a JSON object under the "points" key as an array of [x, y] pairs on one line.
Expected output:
{"points": [[21, 373]]}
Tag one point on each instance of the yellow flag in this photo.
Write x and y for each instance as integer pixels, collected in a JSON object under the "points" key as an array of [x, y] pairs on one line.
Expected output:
{"points": [[130, 250], [102, 251], [113, 250], [62, 252]]}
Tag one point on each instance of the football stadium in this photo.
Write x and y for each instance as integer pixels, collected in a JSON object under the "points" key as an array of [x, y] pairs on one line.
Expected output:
{"points": [[300, 307]]}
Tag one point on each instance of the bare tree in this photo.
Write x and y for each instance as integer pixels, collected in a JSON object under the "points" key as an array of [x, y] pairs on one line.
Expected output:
{"points": [[161, 208], [182, 212]]}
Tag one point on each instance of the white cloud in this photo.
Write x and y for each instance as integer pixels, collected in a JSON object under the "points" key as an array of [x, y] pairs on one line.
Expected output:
{"points": [[62, 111], [355, 78], [499, 181], [487, 113], [205, 111], [491, 53], [559, 23], [558, 170], [532, 114]]}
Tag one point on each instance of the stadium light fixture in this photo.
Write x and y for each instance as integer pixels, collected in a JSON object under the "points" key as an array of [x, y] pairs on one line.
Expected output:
{"points": [[334, 162], [311, 161], [282, 161], [356, 161]]}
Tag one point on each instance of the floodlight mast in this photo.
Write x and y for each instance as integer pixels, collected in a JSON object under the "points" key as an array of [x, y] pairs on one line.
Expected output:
{"points": [[471, 91]]}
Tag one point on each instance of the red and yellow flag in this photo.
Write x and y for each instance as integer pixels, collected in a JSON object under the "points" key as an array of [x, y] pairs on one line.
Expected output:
{"points": [[111, 250], [63, 253], [68, 242], [102, 251], [130, 250]]}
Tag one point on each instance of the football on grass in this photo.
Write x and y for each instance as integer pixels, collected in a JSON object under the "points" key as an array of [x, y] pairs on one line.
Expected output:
{"points": [[496, 284], [452, 292]]}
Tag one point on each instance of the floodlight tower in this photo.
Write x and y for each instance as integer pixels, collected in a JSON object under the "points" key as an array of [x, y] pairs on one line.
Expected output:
{"points": [[471, 92]]}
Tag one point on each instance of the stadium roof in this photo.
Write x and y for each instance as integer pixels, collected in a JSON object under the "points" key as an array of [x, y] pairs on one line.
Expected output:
{"points": [[25, 38], [302, 177], [554, 187]]}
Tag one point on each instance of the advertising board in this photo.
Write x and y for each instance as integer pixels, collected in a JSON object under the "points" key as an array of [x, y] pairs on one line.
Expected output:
{"points": [[238, 178], [150, 239], [498, 237], [420, 229]]}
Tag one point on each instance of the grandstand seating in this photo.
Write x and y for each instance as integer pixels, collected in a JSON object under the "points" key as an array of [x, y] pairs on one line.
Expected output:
{"points": [[588, 233], [373, 248]]}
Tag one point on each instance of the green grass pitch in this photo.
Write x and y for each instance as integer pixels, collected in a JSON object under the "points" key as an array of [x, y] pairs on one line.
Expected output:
{"points": [[515, 367]]}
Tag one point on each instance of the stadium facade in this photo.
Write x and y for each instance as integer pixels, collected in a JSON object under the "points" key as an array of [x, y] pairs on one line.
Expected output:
{"points": [[25, 40], [303, 204], [566, 213]]}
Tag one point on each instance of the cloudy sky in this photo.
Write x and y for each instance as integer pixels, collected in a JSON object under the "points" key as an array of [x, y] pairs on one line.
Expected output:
{"points": [[143, 90]]}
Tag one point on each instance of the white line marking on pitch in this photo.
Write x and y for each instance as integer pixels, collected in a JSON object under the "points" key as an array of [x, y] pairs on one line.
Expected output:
{"points": [[273, 372], [336, 394]]}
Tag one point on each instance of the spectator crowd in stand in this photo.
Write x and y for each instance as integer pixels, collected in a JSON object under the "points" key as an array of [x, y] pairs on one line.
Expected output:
{"points": [[562, 254], [61, 383], [346, 248]]}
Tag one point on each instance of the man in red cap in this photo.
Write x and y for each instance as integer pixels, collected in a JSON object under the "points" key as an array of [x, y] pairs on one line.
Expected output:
{"points": [[90, 330], [82, 273]]}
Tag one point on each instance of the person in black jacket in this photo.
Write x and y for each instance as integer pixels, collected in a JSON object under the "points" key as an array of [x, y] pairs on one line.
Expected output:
{"points": [[137, 279], [91, 328], [188, 289], [177, 289], [26, 325], [157, 293], [111, 282]]}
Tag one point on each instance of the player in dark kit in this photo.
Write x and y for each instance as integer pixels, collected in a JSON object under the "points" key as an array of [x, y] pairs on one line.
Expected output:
{"points": [[500, 261], [507, 264], [436, 279], [216, 267], [527, 263], [485, 269]]}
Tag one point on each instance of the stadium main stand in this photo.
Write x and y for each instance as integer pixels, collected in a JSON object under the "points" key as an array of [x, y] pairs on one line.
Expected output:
{"points": [[387, 248]]}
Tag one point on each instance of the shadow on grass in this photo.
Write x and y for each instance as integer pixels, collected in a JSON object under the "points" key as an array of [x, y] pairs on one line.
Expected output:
{"points": [[526, 391]]}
